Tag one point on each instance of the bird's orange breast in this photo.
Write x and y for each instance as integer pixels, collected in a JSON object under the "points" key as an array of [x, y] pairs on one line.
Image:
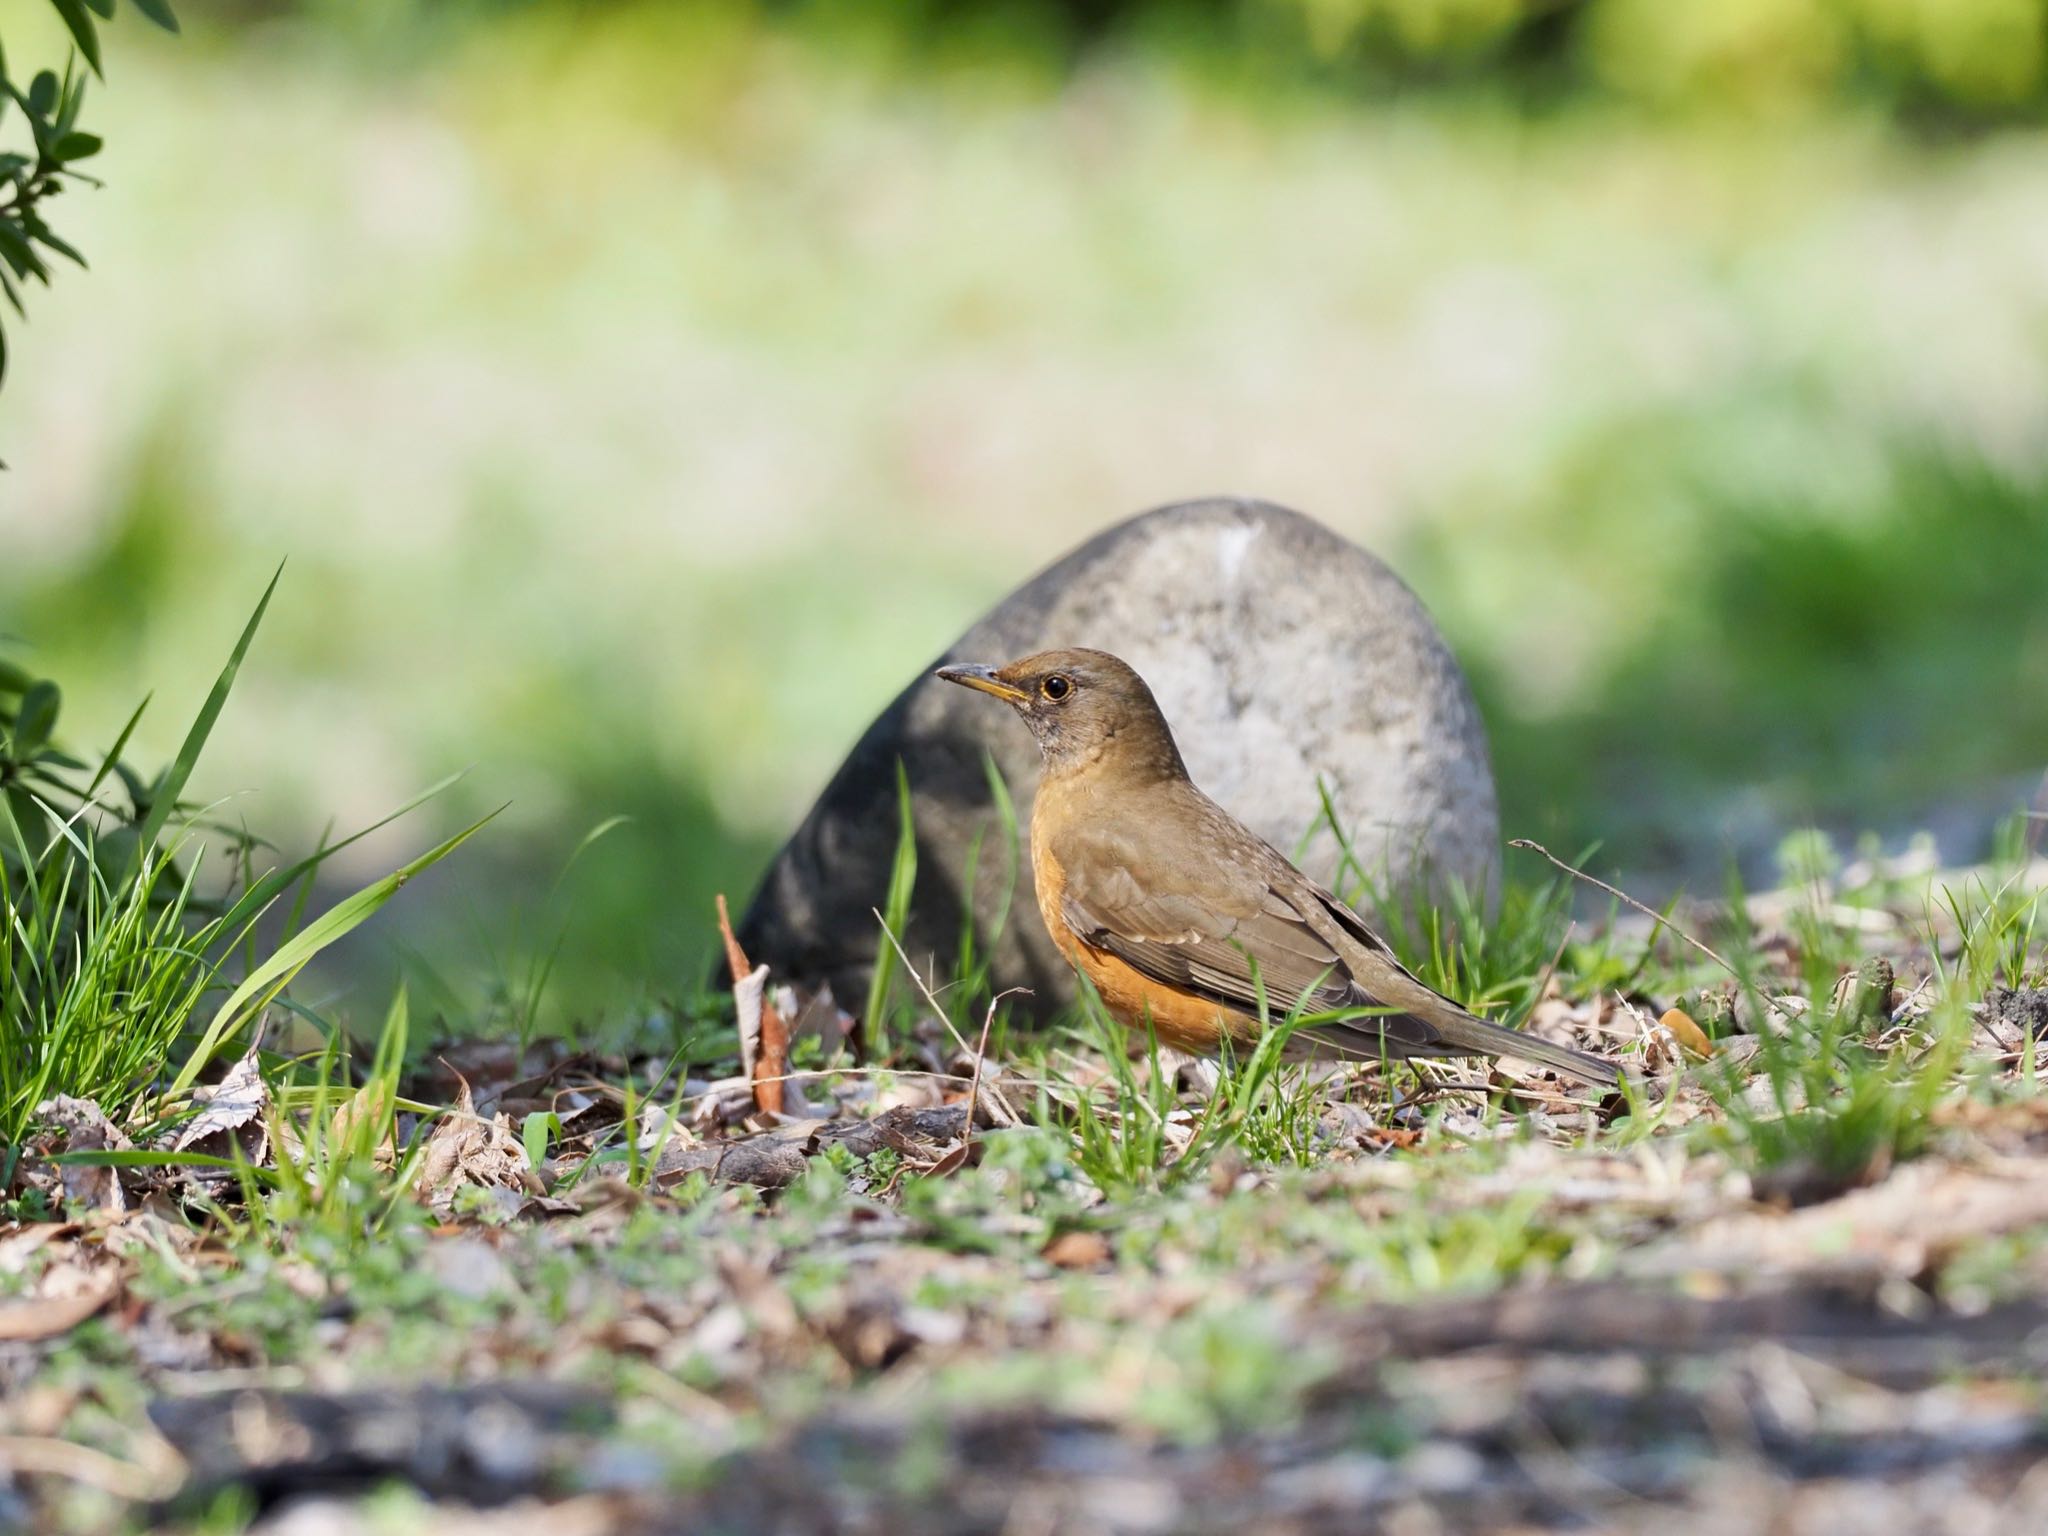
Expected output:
{"points": [[1185, 1022]]}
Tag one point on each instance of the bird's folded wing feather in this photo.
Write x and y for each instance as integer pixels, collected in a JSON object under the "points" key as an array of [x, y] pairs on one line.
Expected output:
{"points": [[1221, 930], [1242, 919]]}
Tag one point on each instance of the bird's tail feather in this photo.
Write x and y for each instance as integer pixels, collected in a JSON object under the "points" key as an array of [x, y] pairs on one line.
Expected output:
{"points": [[1463, 1032], [1446, 1030]]}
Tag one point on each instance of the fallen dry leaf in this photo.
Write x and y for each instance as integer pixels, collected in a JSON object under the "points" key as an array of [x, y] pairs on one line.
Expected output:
{"points": [[18, 1245], [1078, 1250], [52, 1457], [233, 1120], [1688, 1034], [764, 1035], [466, 1149], [366, 1106], [86, 1128], [42, 1317]]}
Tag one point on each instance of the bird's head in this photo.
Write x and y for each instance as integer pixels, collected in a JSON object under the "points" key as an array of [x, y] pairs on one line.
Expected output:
{"points": [[1083, 707]]}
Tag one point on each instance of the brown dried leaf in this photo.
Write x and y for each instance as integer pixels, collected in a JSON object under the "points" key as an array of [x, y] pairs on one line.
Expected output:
{"points": [[86, 1128], [764, 1034], [1688, 1034], [234, 1116], [773, 1066], [1078, 1250], [466, 1149], [232, 1103], [366, 1106], [43, 1317]]}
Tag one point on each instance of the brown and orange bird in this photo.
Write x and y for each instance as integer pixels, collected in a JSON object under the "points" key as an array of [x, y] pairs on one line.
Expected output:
{"points": [[1179, 914]]}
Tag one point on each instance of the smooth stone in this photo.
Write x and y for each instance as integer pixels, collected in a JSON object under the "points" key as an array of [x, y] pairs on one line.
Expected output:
{"points": [[1281, 654]]}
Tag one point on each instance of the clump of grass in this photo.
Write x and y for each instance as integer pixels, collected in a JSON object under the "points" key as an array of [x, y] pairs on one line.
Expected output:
{"points": [[339, 1170], [1837, 1096], [1125, 1149], [1839, 1110], [99, 966], [109, 948], [1422, 1251], [1268, 1108], [97, 979], [1998, 920]]}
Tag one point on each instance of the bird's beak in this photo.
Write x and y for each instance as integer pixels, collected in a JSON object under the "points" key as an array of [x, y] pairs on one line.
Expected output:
{"points": [[986, 679]]}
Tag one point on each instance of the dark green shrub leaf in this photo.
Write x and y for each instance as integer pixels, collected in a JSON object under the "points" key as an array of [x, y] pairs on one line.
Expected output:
{"points": [[78, 146], [34, 721], [42, 93], [159, 13], [44, 233], [78, 22], [70, 102], [18, 254]]}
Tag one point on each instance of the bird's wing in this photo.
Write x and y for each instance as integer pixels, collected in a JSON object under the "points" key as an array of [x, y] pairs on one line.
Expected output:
{"points": [[1241, 918], [1221, 929]]}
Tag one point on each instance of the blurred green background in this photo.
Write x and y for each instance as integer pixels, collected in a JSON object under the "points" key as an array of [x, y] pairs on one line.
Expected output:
{"points": [[642, 392]]}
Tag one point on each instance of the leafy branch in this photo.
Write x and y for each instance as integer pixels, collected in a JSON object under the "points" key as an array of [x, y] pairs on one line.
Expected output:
{"points": [[32, 175]]}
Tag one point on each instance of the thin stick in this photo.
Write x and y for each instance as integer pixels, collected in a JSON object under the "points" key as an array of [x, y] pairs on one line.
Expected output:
{"points": [[944, 1017], [947, 1019], [1623, 896], [980, 1053], [1656, 917]]}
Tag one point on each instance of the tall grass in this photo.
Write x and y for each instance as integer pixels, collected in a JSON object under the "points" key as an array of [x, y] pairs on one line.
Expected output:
{"points": [[339, 1166], [97, 978], [110, 946], [1839, 1091]]}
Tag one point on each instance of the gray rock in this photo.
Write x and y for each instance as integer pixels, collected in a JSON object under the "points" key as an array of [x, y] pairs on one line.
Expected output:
{"points": [[1280, 653]]}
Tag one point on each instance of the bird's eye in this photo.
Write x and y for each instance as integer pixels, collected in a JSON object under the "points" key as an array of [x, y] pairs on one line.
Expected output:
{"points": [[1056, 687]]}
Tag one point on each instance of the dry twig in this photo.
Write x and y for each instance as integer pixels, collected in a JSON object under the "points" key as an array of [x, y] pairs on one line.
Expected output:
{"points": [[772, 1059], [1654, 916], [945, 1018]]}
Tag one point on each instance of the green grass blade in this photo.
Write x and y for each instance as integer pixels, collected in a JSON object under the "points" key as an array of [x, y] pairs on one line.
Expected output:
{"points": [[1006, 819], [120, 745], [138, 1157], [271, 977], [173, 783], [895, 913], [266, 890], [583, 845]]}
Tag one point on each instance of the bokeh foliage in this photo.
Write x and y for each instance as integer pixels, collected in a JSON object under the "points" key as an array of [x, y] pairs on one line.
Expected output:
{"points": [[1984, 59], [1974, 57], [49, 107]]}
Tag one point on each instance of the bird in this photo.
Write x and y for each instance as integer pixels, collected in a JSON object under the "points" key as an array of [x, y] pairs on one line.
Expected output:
{"points": [[1185, 921]]}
